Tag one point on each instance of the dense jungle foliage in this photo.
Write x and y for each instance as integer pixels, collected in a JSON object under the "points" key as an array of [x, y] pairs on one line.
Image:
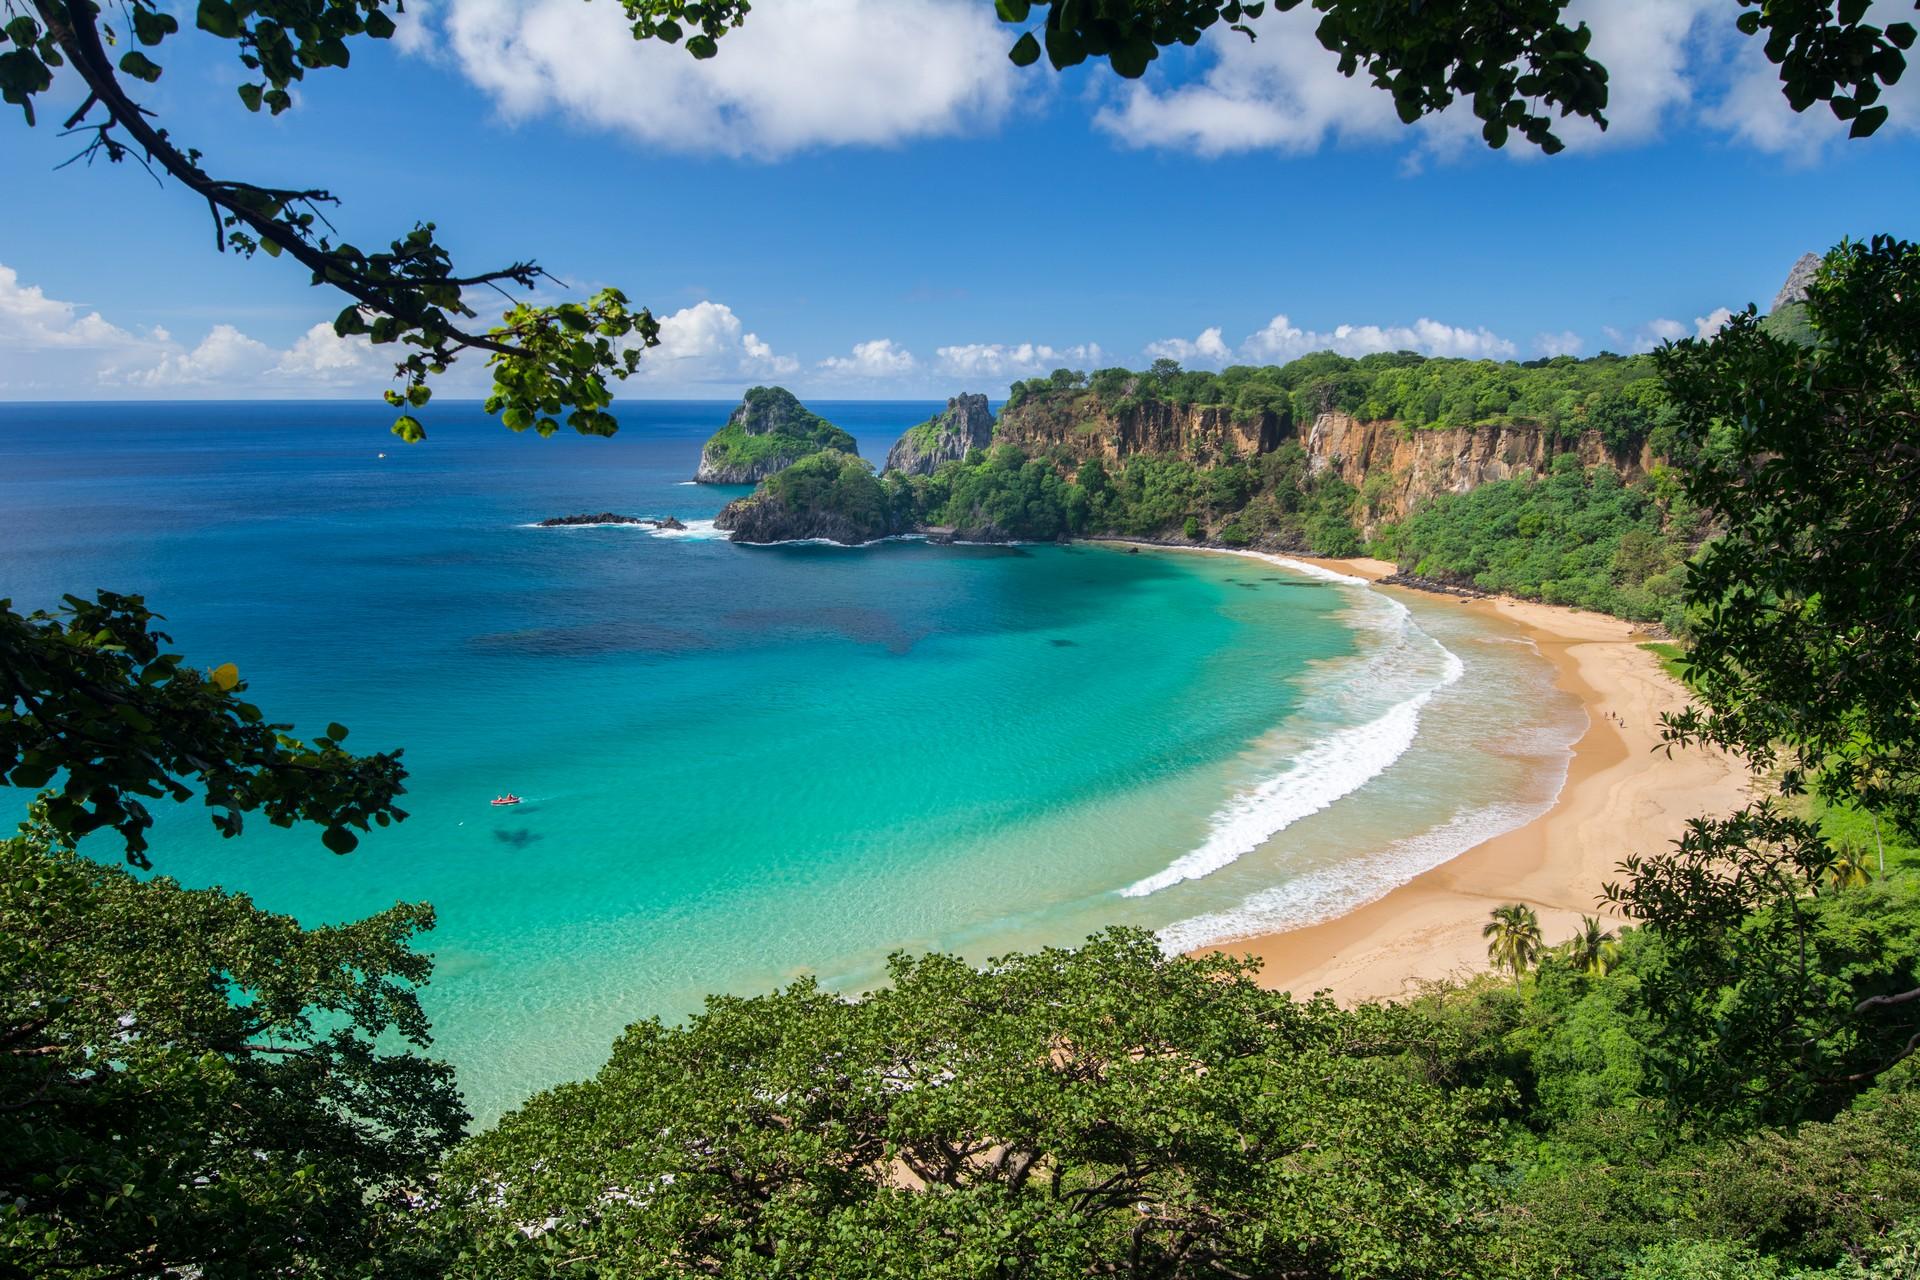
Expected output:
{"points": [[1576, 536]]}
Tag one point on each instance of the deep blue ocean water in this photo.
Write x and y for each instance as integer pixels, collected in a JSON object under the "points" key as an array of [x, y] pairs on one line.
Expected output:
{"points": [[747, 764]]}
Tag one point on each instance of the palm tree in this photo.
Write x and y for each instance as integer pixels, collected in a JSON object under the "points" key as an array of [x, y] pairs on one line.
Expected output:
{"points": [[1592, 947], [1514, 939], [1849, 868]]}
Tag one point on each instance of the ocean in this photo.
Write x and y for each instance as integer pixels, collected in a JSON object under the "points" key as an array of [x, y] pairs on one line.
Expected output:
{"points": [[745, 765]]}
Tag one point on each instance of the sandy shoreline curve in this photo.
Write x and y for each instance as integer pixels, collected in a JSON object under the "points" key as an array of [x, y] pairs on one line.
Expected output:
{"points": [[1622, 795]]}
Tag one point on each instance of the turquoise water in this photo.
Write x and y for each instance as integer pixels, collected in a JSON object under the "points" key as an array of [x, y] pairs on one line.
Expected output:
{"points": [[746, 764]]}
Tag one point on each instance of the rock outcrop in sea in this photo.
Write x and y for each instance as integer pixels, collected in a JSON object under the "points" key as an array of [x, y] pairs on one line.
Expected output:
{"points": [[829, 496], [609, 517], [770, 430], [966, 424]]}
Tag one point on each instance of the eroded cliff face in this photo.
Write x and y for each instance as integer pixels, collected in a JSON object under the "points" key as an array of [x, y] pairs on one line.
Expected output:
{"points": [[1420, 464], [1087, 428], [966, 424]]}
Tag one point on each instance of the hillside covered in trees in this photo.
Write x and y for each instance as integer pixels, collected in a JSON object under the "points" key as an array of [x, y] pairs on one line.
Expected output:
{"points": [[1168, 454]]}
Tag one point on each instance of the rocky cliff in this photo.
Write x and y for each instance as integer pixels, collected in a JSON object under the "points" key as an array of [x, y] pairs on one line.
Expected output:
{"points": [[966, 424], [1087, 427], [1419, 464], [828, 495], [770, 430], [1798, 280]]}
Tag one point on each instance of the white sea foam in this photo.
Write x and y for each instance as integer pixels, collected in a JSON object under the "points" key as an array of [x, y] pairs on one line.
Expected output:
{"points": [[1334, 891], [1335, 766], [696, 531]]}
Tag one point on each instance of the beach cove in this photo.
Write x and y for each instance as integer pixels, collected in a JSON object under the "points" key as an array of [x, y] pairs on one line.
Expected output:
{"points": [[1624, 793]]}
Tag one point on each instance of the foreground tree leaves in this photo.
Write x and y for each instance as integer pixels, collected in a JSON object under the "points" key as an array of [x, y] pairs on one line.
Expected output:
{"points": [[1067, 1113], [1807, 649], [1805, 661], [192, 1086], [91, 705]]}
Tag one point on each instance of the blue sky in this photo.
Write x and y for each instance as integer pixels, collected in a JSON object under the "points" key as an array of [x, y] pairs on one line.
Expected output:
{"points": [[862, 198]]}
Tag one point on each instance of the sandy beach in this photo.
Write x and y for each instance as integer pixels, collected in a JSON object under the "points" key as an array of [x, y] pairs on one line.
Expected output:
{"points": [[1623, 794]]}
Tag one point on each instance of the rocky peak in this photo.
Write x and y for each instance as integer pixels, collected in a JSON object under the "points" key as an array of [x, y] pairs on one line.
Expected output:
{"points": [[966, 424], [1795, 289], [771, 429]]}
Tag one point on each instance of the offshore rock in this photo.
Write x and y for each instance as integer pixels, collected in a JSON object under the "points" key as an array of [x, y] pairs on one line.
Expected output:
{"points": [[966, 424], [830, 496], [769, 431], [608, 517]]}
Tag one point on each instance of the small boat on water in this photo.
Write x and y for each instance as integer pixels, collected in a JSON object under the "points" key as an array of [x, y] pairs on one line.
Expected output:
{"points": [[501, 802]]}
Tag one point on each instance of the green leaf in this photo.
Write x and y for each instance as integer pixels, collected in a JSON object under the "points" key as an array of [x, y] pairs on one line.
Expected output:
{"points": [[1025, 51], [408, 428], [379, 25], [339, 839], [140, 66], [217, 17], [702, 47], [250, 94], [1013, 10], [1868, 121], [337, 731], [150, 27]]}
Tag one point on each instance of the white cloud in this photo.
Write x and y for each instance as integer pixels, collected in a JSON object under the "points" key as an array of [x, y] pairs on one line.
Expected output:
{"points": [[30, 319], [1713, 322], [707, 343], [1564, 343], [1753, 111], [322, 356], [876, 359], [1670, 63], [1282, 340], [1208, 348], [1282, 91], [222, 356], [51, 348], [799, 74], [1014, 360], [1667, 330]]}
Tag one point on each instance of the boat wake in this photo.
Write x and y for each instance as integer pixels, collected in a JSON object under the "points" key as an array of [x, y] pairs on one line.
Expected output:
{"points": [[1407, 669]]}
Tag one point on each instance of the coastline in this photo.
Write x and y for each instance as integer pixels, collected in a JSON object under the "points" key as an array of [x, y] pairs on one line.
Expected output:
{"points": [[1621, 795]]}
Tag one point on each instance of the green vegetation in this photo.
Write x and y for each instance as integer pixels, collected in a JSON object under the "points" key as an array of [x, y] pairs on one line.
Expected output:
{"points": [[91, 705], [771, 428], [191, 1085], [1673, 658], [1576, 536], [827, 495], [1810, 661], [1618, 396], [1114, 1111], [1001, 493]]}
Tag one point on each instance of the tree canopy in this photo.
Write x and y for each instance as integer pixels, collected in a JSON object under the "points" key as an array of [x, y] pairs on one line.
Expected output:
{"points": [[192, 1085], [1806, 651]]}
